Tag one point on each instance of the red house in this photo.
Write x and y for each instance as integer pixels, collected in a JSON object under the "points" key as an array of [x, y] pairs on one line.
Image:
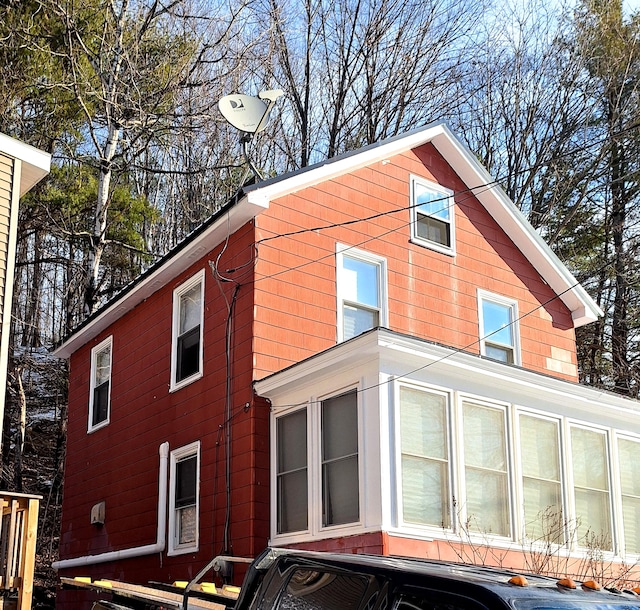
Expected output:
{"points": [[372, 354]]}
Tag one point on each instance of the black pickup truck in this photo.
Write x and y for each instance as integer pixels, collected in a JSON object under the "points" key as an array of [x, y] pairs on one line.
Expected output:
{"points": [[282, 579]]}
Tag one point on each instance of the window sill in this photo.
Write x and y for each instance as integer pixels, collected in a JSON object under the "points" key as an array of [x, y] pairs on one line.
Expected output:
{"points": [[431, 245], [185, 382]]}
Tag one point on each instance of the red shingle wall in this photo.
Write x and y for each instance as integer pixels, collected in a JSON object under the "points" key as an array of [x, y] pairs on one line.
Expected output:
{"points": [[119, 463], [431, 295]]}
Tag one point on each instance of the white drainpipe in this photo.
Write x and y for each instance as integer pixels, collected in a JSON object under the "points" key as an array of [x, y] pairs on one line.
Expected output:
{"points": [[138, 551]]}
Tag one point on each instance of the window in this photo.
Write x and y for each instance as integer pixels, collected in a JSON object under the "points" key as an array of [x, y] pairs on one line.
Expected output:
{"points": [[591, 488], [486, 475], [340, 493], [184, 499], [541, 479], [361, 292], [291, 443], [424, 457], [316, 458], [498, 328], [100, 392], [188, 310], [432, 215], [629, 458]]}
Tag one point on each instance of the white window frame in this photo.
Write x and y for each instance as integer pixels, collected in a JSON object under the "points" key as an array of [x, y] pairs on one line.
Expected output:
{"points": [[108, 342], [341, 285], [198, 278], [174, 548], [463, 516], [519, 475], [315, 528], [509, 303], [447, 395], [447, 202], [615, 497]]}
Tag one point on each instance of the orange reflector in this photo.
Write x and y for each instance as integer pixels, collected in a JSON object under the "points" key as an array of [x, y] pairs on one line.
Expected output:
{"points": [[636, 590], [591, 584], [519, 581], [567, 583]]}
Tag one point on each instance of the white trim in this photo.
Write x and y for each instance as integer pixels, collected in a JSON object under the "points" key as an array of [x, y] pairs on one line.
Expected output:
{"points": [[448, 202], [36, 162], [193, 449], [108, 342], [198, 278], [512, 305], [341, 298]]}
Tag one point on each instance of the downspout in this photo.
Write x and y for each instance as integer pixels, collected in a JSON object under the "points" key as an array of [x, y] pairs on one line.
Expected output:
{"points": [[138, 551]]}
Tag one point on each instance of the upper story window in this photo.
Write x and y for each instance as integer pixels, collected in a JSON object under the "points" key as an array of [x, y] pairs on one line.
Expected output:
{"points": [[432, 215], [184, 499], [100, 391], [316, 452], [498, 321], [361, 292], [188, 313]]}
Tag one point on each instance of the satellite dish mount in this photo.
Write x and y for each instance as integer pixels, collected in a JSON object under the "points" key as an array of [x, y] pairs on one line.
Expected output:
{"points": [[249, 115]]}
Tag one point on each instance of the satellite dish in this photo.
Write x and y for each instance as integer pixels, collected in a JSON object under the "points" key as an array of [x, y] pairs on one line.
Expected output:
{"points": [[244, 112], [250, 115]]}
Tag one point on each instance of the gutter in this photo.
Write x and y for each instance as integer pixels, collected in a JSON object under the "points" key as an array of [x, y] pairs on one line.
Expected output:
{"points": [[138, 551]]}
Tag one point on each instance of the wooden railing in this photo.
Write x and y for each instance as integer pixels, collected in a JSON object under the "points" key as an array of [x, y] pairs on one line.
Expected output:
{"points": [[18, 534]]}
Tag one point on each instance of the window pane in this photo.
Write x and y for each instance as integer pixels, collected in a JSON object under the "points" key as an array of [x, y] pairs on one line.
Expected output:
{"points": [[487, 501], [292, 502], [186, 525], [484, 440], [340, 495], [543, 513], [188, 354], [425, 491], [631, 516], [103, 365], [100, 403], [497, 319], [186, 481], [340, 482], [433, 230], [594, 519], [361, 281], [539, 447], [423, 423], [358, 320], [291, 446], [503, 354], [431, 202], [292, 441], [339, 426], [190, 308], [588, 450]]}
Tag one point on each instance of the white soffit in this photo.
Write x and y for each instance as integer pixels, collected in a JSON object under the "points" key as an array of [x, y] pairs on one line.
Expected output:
{"points": [[194, 249], [583, 309], [35, 162]]}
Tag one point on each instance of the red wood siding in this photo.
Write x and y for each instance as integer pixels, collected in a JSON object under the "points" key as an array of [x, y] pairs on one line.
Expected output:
{"points": [[119, 463], [431, 295]]}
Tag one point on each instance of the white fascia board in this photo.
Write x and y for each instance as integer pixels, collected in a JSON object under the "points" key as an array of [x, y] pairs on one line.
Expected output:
{"points": [[584, 309], [409, 358], [35, 162], [232, 220]]}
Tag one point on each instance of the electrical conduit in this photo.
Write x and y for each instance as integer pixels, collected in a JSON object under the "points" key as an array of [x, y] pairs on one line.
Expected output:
{"points": [[138, 551]]}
